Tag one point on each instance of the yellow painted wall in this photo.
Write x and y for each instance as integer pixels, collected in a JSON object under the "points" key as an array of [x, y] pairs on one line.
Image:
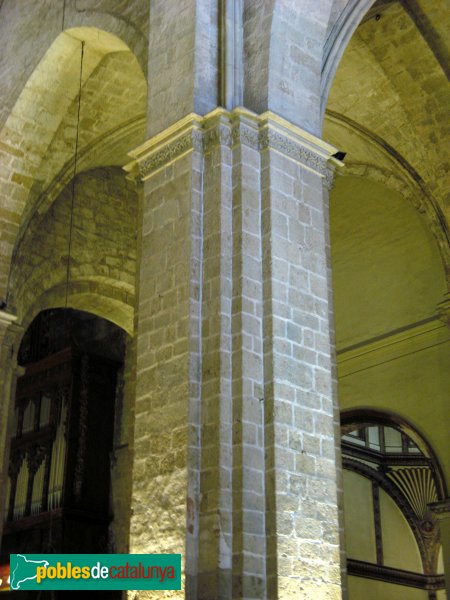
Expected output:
{"points": [[367, 589], [414, 386], [387, 271], [359, 523], [399, 545]]}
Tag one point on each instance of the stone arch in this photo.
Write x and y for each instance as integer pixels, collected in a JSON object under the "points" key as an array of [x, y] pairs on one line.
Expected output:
{"points": [[358, 415], [378, 161], [38, 137], [344, 26], [28, 44], [418, 153], [85, 331], [103, 251], [99, 298], [81, 15], [110, 144], [292, 51], [413, 193], [297, 37], [415, 498]]}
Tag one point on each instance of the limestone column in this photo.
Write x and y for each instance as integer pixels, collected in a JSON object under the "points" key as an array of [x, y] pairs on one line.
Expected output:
{"points": [[301, 490], [235, 463], [328, 183], [10, 333], [441, 511], [165, 493]]}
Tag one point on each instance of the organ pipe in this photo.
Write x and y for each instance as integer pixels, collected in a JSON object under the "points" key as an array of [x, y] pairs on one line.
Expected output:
{"points": [[21, 491]]}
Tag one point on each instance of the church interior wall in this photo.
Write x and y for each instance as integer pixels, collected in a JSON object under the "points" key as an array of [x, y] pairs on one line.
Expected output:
{"points": [[103, 252], [204, 262], [361, 588]]}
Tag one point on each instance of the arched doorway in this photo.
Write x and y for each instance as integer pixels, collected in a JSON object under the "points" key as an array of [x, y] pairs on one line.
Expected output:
{"points": [[62, 435]]}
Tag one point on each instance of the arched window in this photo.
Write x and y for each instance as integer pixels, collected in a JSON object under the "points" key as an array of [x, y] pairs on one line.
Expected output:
{"points": [[391, 476]]}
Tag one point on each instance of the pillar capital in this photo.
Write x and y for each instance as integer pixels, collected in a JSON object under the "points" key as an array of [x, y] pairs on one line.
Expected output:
{"points": [[10, 332], [441, 510], [231, 128], [6, 319], [9, 328]]}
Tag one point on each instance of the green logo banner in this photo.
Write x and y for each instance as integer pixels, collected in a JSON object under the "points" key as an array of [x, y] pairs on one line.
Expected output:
{"points": [[95, 571]]}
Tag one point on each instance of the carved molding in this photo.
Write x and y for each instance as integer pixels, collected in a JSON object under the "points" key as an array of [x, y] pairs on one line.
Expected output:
{"points": [[6, 319], [330, 176], [379, 476], [230, 129], [391, 346], [443, 309], [35, 456], [441, 510], [167, 154], [418, 486], [10, 330], [360, 568], [15, 463]]}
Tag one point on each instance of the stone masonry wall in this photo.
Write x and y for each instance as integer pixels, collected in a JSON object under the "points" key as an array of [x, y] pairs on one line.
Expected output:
{"points": [[103, 256], [40, 68], [103, 251], [122, 459], [167, 369], [25, 43], [234, 208], [303, 544]]}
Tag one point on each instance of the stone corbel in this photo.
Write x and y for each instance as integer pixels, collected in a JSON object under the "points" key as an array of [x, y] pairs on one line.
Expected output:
{"points": [[10, 331], [332, 171], [6, 319]]}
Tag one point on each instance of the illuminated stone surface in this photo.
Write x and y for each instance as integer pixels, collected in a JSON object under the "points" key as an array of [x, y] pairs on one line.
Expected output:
{"points": [[214, 255]]}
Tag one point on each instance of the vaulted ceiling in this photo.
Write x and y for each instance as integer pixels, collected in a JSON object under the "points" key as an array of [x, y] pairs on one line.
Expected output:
{"points": [[389, 106]]}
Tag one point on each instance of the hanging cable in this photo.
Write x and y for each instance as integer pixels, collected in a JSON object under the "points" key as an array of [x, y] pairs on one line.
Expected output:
{"points": [[67, 321], [66, 325], [75, 164], [63, 16]]}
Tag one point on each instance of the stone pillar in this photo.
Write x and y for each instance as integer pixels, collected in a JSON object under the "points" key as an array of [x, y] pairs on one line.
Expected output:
{"points": [[441, 511], [168, 369], [302, 516], [328, 182], [235, 450], [10, 333]]}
